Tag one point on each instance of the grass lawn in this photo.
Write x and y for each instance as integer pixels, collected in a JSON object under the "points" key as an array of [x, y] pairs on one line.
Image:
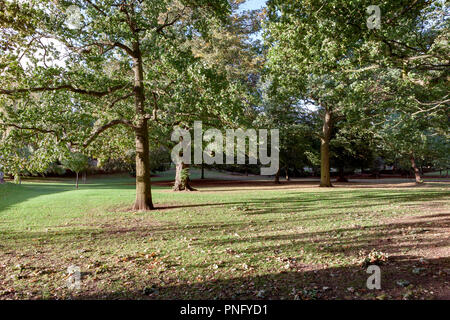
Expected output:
{"points": [[222, 242]]}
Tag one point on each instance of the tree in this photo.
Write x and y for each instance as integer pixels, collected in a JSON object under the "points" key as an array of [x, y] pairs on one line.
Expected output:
{"points": [[110, 67], [182, 179], [76, 162], [352, 148], [21, 154], [283, 112], [307, 57], [228, 98], [324, 52]]}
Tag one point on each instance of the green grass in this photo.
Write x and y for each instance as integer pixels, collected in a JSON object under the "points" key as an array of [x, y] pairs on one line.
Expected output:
{"points": [[216, 243]]}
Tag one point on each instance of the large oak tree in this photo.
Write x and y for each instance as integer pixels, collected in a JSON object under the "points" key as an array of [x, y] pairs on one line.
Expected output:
{"points": [[324, 51], [73, 74]]}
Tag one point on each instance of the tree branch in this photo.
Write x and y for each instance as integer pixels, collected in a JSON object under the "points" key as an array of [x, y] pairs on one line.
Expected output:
{"points": [[101, 129], [167, 23], [28, 128], [35, 129], [62, 87], [96, 7], [435, 105], [120, 99]]}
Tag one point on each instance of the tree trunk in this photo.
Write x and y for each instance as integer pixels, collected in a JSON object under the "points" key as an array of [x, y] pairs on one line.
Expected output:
{"points": [[277, 176], [342, 177], [83, 177], [203, 171], [416, 170], [143, 183], [286, 171], [143, 175], [182, 181], [325, 180], [76, 180]]}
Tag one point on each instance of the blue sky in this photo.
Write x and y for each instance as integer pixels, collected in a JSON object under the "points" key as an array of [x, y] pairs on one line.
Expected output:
{"points": [[253, 4]]}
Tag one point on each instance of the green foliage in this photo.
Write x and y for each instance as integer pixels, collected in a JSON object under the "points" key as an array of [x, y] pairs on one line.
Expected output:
{"points": [[76, 162], [62, 87], [391, 82], [184, 175], [295, 123], [55, 168], [313, 158], [72, 89], [352, 147], [159, 160]]}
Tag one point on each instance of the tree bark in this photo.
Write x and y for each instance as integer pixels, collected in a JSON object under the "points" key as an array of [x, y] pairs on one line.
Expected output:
{"points": [[83, 177], [325, 180], [286, 172], [417, 174], [76, 180], [182, 183], [342, 177], [203, 171], [277, 177], [143, 175]]}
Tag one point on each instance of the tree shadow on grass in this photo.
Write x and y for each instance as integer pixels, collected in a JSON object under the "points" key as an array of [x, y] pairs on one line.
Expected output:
{"points": [[313, 203], [404, 276], [11, 194], [299, 282], [341, 200], [398, 281], [300, 210]]}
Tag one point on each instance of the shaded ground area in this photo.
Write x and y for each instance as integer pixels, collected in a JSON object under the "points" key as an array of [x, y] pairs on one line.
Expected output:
{"points": [[237, 185], [280, 243], [217, 181], [418, 267]]}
